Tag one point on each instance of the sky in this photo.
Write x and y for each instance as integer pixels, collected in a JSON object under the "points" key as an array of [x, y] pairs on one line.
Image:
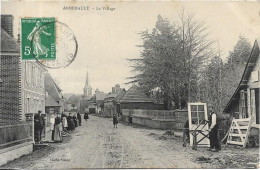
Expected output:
{"points": [[107, 38]]}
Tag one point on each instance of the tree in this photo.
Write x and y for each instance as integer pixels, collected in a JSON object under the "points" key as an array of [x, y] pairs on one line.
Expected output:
{"points": [[210, 83], [171, 58], [220, 80]]}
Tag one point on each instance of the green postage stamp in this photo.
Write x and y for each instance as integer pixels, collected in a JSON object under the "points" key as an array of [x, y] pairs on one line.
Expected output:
{"points": [[38, 38]]}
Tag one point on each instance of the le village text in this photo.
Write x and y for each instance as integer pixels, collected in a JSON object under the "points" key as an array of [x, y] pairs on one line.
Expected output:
{"points": [[88, 8]]}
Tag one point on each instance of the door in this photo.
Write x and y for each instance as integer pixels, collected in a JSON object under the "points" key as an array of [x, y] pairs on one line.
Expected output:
{"points": [[197, 113], [257, 105]]}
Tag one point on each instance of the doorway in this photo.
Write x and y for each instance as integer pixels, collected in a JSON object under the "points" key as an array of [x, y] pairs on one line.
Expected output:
{"points": [[257, 105]]}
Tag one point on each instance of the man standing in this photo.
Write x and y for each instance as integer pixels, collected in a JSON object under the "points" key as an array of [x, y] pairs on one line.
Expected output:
{"points": [[39, 125], [213, 130], [79, 118]]}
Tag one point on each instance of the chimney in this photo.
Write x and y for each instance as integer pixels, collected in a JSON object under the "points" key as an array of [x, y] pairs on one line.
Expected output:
{"points": [[117, 88], [7, 24], [113, 89]]}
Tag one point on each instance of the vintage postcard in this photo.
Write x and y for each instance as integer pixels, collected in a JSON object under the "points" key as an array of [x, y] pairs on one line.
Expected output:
{"points": [[129, 84]]}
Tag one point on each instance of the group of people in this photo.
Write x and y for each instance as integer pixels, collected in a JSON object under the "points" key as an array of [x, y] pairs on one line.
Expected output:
{"points": [[115, 120], [63, 124], [60, 125]]}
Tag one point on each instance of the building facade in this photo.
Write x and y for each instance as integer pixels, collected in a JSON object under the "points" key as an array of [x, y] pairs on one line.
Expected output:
{"points": [[10, 76], [33, 90], [245, 102], [16, 137]]}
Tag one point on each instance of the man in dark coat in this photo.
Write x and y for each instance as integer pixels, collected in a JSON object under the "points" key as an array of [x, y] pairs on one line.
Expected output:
{"points": [[130, 120], [39, 124], [71, 125], [79, 118], [213, 130], [75, 120]]}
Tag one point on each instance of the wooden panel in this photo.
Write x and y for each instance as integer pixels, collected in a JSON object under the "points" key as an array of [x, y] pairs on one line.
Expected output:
{"points": [[235, 143], [195, 112]]}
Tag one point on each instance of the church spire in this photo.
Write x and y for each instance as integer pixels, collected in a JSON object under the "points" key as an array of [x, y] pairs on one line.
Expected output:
{"points": [[87, 89], [87, 81]]}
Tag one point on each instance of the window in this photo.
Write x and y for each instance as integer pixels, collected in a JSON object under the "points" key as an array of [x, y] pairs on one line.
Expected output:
{"points": [[40, 78], [42, 105], [32, 75], [36, 76], [35, 106], [243, 104], [255, 76], [27, 105]]}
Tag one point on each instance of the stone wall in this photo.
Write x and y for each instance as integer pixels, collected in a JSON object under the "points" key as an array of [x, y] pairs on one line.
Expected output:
{"points": [[158, 119], [14, 152]]}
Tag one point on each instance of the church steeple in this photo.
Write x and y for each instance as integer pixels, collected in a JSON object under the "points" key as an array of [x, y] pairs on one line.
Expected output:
{"points": [[87, 81], [87, 89]]}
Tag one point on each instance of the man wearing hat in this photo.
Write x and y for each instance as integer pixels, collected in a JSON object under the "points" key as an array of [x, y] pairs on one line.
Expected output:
{"points": [[213, 130]]}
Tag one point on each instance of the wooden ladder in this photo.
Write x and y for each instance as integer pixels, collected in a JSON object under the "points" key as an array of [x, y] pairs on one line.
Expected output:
{"points": [[239, 131]]}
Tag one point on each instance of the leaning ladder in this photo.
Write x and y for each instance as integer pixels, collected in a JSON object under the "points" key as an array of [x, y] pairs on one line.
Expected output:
{"points": [[239, 131]]}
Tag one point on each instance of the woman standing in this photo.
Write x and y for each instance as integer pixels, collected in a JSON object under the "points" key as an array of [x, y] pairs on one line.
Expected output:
{"points": [[86, 116], [57, 129], [64, 122], [52, 122]]}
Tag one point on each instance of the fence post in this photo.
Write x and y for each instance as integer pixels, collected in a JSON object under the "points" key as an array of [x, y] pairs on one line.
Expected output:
{"points": [[30, 119]]}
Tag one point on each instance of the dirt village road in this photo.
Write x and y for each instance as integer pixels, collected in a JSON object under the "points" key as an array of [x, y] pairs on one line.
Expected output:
{"points": [[96, 144]]}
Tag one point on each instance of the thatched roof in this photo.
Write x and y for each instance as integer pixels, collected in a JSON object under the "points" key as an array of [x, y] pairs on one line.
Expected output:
{"points": [[251, 63], [52, 88], [84, 103], [120, 95], [74, 99], [100, 96], [50, 102], [135, 95]]}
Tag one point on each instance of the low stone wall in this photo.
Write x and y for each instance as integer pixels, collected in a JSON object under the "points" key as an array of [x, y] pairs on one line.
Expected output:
{"points": [[181, 116], [158, 119], [11, 135], [14, 152]]}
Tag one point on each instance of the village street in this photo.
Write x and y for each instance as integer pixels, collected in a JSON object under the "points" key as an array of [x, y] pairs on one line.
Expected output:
{"points": [[96, 144]]}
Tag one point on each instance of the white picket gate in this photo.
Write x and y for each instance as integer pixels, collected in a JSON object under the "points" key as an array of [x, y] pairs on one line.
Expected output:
{"points": [[238, 133]]}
